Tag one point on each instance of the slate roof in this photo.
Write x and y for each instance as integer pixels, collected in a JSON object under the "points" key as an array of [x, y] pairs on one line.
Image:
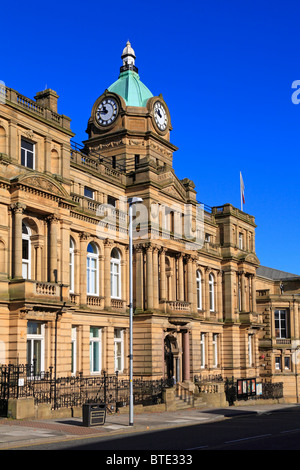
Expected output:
{"points": [[275, 274]]}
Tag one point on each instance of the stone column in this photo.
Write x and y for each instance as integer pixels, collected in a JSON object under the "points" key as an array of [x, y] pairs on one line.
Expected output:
{"points": [[107, 290], [229, 285], [186, 355], [155, 279], [162, 280], [83, 267], [206, 293], [219, 294], [180, 278], [149, 268], [77, 270], [38, 262], [65, 253], [243, 294], [253, 292], [123, 273], [190, 280], [53, 229], [13, 147], [18, 210], [47, 155], [139, 277]]}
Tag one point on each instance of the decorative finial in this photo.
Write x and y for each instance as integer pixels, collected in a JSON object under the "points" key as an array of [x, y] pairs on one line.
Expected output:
{"points": [[128, 57]]}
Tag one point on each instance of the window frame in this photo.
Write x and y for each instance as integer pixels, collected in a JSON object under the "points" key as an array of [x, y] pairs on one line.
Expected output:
{"points": [[72, 266], [26, 151], [199, 289], [250, 350], [278, 363], [87, 189], [215, 339], [73, 350], [287, 359], [26, 262], [202, 350], [120, 341], [211, 284], [241, 240], [115, 276], [95, 348], [92, 271], [280, 329], [33, 339]]}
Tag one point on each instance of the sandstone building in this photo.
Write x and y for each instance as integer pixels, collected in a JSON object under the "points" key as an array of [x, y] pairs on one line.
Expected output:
{"points": [[202, 304]]}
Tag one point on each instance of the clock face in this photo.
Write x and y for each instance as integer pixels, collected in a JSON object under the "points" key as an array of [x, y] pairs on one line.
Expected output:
{"points": [[107, 111], [160, 116]]}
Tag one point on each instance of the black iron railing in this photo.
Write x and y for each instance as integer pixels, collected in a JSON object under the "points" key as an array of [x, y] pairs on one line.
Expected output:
{"points": [[23, 381]]}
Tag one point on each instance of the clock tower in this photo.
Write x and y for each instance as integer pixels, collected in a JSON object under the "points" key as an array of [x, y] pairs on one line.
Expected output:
{"points": [[128, 125]]}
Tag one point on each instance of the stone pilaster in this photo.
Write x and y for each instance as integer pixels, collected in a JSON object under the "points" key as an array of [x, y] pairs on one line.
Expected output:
{"points": [[53, 238], [18, 210]]}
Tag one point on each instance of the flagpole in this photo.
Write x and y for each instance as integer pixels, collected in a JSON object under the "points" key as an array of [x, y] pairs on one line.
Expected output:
{"points": [[241, 190]]}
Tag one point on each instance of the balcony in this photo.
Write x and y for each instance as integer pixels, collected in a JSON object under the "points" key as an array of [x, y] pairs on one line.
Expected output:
{"points": [[37, 291], [250, 317], [95, 301], [176, 306]]}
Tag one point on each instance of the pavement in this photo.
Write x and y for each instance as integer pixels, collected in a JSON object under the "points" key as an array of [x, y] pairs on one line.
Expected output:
{"points": [[22, 433]]}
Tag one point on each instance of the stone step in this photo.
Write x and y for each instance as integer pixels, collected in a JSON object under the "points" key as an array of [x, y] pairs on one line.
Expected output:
{"points": [[183, 404]]}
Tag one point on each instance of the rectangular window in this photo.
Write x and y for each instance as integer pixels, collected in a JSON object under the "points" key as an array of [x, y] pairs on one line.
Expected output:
{"points": [[202, 350], [119, 349], [111, 201], [95, 349], [278, 363], [74, 350], [92, 276], [215, 350], [88, 192], [71, 269], [250, 356], [27, 154], [281, 324], [25, 259], [115, 277], [35, 346], [241, 241], [287, 363]]}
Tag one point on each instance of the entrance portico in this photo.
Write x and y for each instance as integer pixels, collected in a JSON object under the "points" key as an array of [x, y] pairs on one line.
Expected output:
{"points": [[177, 355]]}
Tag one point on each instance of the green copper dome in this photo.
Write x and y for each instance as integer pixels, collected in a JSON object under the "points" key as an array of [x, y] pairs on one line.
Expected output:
{"points": [[128, 85]]}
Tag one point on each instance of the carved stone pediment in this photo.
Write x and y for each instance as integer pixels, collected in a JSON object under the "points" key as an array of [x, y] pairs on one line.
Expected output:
{"points": [[43, 183], [250, 258], [175, 191]]}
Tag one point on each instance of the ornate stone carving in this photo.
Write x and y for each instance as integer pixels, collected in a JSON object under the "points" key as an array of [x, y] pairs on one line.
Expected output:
{"points": [[18, 207], [42, 183]]}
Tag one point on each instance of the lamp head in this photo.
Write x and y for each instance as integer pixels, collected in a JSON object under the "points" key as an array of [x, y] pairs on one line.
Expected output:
{"points": [[134, 200]]}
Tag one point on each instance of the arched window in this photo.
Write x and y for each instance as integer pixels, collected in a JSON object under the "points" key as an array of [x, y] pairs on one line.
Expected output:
{"points": [[92, 270], [26, 251], [72, 265], [115, 274], [199, 291], [211, 293]]}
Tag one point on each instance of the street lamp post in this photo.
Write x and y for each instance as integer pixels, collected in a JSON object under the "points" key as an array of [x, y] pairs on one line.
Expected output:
{"points": [[131, 201]]}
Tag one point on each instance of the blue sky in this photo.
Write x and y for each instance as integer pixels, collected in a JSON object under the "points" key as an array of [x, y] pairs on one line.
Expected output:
{"points": [[225, 68]]}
